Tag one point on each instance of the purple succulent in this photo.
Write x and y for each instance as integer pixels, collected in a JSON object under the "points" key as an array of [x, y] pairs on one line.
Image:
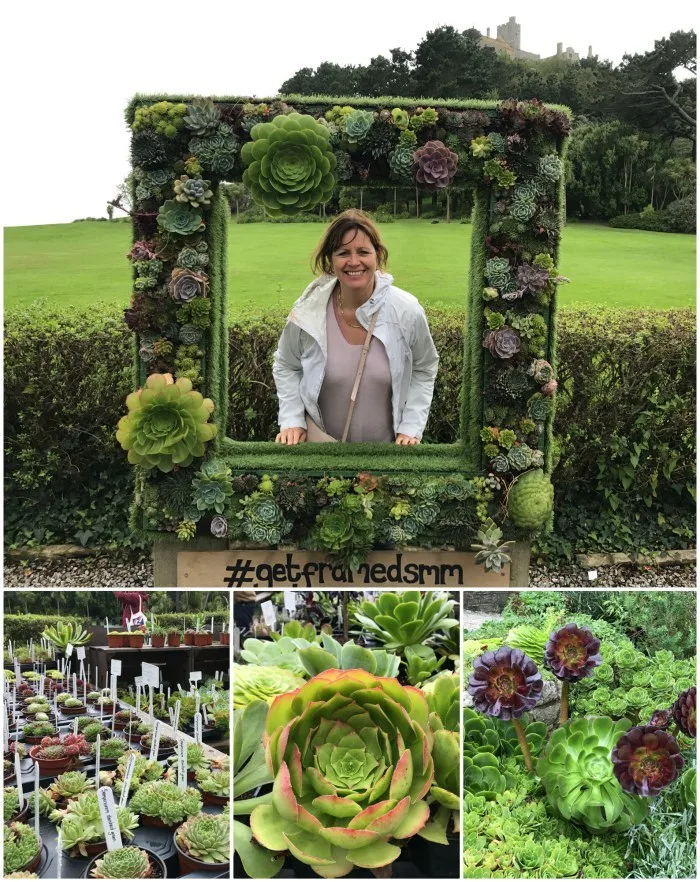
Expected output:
{"points": [[141, 251], [503, 342], [186, 284], [531, 279], [541, 371], [572, 653], [661, 719], [434, 165], [549, 388], [505, 683], [219, 527], [684, 712], [645, 760]]}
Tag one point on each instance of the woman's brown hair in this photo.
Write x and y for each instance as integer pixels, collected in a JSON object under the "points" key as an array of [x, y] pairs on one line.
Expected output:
{"points": [[352, 219]]}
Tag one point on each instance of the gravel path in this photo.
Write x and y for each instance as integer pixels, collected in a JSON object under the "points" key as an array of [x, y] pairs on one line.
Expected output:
{"points": [[128, 570]]}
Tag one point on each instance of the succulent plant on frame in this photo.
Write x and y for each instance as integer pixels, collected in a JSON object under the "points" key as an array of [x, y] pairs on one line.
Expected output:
{"points": [[192, 191], [434, 165], [351, 758]]}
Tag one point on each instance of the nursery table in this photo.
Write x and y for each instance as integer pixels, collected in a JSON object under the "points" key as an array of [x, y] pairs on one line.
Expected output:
{"points": [[184, 660]]}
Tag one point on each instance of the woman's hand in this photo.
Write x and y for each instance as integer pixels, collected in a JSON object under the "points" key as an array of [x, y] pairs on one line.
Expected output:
{"points": [[407, 440], [291, 436]]}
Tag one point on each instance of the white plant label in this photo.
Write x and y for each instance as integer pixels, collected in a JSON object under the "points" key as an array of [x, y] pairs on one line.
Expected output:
{"points": [[115, 667], [127, 780], [150, 674], [59, 854], [42, 680], [36, 800], [197, 702], [182, 764], [98, 747], [198, 728], [108, 812], [75, 726], [6, 729], [113, 687], [171, 715], [206, 715], [155, 740], [80, 652], [150, 703], [268, 611], [75, 685], [138, 696], [18, 778], [176, 718], [18, 674], [195, 676], [69, 650], [290, 601]]}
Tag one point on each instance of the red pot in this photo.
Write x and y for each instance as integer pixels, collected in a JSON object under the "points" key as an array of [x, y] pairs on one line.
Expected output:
{"points": [[174, 639], [158, 641], [189, 639], [225, 638], [53, 766], [36, 739], [200, 638], [136, 640], [73, 711], [213, 799], [189, 864], [152, 821], [115, 641]]}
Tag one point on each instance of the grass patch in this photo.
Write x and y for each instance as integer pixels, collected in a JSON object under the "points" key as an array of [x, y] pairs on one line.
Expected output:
{"points": [[75, 265]]}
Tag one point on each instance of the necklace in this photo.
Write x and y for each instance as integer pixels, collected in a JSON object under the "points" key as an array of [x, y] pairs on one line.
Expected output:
{"points": [[340, 307]]}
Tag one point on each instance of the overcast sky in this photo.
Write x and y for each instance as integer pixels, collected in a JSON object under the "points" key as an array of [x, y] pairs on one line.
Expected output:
{"points": [[70, 68]]}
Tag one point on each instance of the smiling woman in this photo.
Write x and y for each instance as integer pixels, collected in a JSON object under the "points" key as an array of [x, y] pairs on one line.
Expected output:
{"points": [[356, 360]]}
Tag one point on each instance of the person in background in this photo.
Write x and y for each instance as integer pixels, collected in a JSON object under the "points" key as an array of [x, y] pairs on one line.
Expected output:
{"points": [[244, 603], [132, 603]]}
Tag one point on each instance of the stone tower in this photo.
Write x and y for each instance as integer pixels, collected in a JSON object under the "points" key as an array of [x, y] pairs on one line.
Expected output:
{"points": [[510, 32]]}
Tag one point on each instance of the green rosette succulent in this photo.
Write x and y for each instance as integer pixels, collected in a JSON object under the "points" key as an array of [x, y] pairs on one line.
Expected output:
{"points": [[212, 487], [357, 126], [262, 519], [216, 152], [81, 823], [549, 168], [401, 620], [123, 863], [205, 838], [180, 218], [20, 846], [165, 800], [192, 191], [282, 653], [251, 682], [530, 500], [577, 773], [167, 424], [315, 658], [202, 116], [421, 663], [352, 765], [401, 163], [289, 164]]}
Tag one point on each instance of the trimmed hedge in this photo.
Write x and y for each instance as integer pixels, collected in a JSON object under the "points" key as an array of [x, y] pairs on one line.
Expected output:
{"points": [[625, 416], [678, 217], [25, 626]]}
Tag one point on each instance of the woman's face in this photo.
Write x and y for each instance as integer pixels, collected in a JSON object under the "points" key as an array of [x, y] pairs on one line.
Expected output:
{"points": [[355, 262]]}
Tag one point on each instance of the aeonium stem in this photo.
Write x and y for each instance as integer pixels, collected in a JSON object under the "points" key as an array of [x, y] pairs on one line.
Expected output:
{"points": [[520, 732], [564, 711]]}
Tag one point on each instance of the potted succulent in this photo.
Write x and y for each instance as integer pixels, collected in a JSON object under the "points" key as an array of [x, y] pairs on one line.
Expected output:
{"points": [[92, 697], [10, 806], [63, 697], [82, 832], [112, 749], [34, 703], [225, 638], [122, 718], [22, 849], [91, 732], [136, 639], [203, 844], [126, 863], [135, 729], [69, 786], [215, 785], [8, 771], [36, 731], [189, 636], [56, 755], [73, 707], [166, 745], [115, 639], [107, 703], [174, 637], [196, 760], [55, 676], [32, 677], [163, 804], [158, 636]]}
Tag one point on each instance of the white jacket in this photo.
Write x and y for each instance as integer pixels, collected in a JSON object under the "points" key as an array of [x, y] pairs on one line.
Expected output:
{"points": [[300, 360]]}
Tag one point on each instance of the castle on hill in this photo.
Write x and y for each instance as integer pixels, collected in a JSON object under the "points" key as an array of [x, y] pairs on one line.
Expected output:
{"points": [[507, 42]]}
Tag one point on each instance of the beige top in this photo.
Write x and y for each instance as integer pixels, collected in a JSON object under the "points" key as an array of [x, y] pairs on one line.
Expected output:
{"points": [[372, 417]]}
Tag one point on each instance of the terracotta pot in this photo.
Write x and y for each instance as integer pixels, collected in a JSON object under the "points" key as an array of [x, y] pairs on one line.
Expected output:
{"points": [[157, 641], [136, 640], [200, 638], [152, 821], [213, 799], [189, 639], [91, 848], [225, 638], [115, 641], [53, 766], [158, 868], [189, 864], [37, 739], [174, 639]]}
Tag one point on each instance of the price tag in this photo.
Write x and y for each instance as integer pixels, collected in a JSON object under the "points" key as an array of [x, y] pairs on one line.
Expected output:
{"points": [[127, 779], [18, 778], [80, 652], [150, 675], [182, 764], [290, 601], [155, 742], [108, 813], [198, 728], [268, 611], [97, 760], [69, 650], [592, 575], [195, 676], [176, 716], [115, 667]]}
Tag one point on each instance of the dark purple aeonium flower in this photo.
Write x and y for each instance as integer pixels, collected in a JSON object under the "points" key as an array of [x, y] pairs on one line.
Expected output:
{"points": [[572, 653], [505, 683], [660, 719], [645, 760], [684, 710]]}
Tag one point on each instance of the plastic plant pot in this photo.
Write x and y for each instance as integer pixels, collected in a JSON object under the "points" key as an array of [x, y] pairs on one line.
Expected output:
{"points": [[189, 864], [158, 868], [20, 816], [53, 766], [163, 752], [157, 641], [225, 638], [136, 640], [213, 799], [189, 638], [174, 639], [73, 711], [37, 739], [200, 638], [155, 821], [115, 641]]}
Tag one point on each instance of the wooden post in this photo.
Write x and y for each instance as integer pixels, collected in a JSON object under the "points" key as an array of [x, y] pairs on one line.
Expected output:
{"points": [[394, 201], [520, 565]]}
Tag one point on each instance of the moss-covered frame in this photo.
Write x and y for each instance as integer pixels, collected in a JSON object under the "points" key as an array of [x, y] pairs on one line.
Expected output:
{"points": [[511, 154]]}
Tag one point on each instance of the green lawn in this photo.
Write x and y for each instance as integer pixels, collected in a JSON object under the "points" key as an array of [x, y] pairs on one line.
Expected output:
{"points": [[78, 264]]}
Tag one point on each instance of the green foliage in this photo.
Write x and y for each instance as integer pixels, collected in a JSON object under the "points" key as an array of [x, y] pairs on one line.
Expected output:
{"points": [[166, 801], [20, 845], [253, 682], [401, 620], [530, 500], [421, 663], [678, 217], [206, 838], [123, 863], [27, 626]]}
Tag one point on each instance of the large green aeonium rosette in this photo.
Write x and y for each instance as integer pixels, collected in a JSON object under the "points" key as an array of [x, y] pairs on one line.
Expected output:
{"points": [[351, 758], [290, 164]]}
